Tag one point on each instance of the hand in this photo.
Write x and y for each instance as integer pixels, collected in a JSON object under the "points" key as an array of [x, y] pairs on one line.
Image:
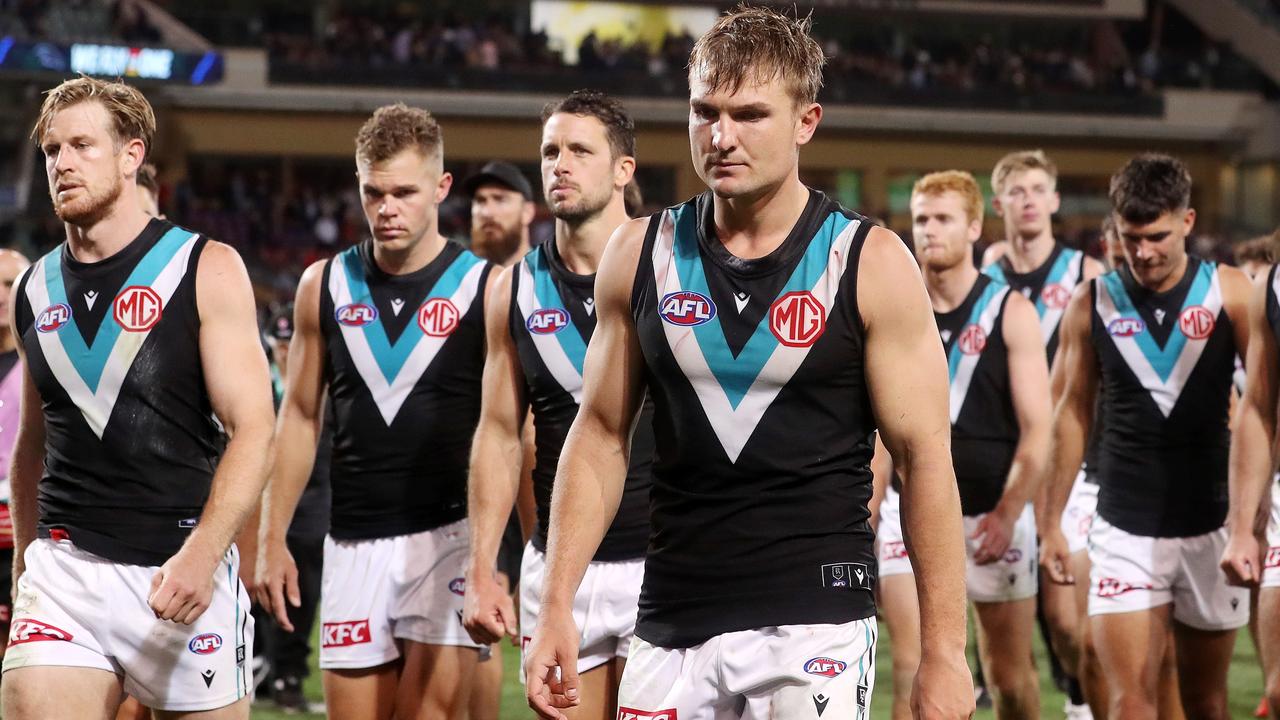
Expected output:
{"points": [[182, 588], [1242, 559], [996, 530], [487, 610], [1054, 556], [551, 665], [943, 688], [276, 581]]}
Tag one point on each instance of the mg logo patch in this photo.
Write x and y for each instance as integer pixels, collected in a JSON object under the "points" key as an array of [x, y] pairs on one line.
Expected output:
{"points": [[1196, 322], [1055, 296], [797, 319], [972, 340], [438, 317], [137, 308]]}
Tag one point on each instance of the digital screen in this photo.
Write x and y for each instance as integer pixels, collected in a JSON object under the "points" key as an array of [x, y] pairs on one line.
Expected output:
{"points": [[111, 61]]}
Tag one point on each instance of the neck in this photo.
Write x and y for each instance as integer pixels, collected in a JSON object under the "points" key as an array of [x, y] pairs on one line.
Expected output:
{"points": [[402, 261], [581, 245], [108, 235], [949, 287], [1028, 253], [8, 343], [1173, 278], [754, 226]]}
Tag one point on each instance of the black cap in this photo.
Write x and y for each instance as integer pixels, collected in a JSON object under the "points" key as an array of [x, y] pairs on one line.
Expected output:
{"points": [[280, 327], [503, 173]]}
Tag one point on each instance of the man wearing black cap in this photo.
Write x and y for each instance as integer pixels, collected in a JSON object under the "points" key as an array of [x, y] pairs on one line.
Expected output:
{"points": [[501, 210]]}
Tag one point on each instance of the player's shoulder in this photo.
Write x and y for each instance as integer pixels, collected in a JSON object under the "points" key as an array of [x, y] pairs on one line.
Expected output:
{"points": [[994, 252], [220, 259]]}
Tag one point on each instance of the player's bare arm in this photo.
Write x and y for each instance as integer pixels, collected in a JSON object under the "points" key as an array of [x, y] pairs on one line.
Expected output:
{"points": [[881, 476], [911, 411], [1029, 385], [1251, 457], [994, 252], [497, 457], [297, 432], [27, 461], [1072, 419], [239, 386], [591, 473]]}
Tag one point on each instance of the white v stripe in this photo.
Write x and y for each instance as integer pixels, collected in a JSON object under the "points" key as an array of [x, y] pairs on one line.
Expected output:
{"points": [[97, 406], [1053, 315], [389, 396], [964, 369], [549, 348], [1165, 393], [734, 426]]}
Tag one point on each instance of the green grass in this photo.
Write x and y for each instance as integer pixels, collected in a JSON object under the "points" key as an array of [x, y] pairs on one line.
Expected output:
{"points": [[1245, 681]]}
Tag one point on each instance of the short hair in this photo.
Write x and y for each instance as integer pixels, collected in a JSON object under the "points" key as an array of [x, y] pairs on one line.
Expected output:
{"points": [[395, 128], [131, 115], [1021, 161], [1150, 185], [147, 179], [1108, 228], [1259, 250], [759, 45], [617, 122], [957, 181]]}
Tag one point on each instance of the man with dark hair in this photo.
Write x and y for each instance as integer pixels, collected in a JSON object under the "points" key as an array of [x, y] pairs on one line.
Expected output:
{"points": [[770, 326], [501, 209], [140, 347], [390, 335], [1156, 340], [540, 321]]}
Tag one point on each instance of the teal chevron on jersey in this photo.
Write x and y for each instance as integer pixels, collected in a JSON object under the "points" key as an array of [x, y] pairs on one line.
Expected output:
{"points": [[1056, 275], [736, 374], [990, 299], [995, 272], [1162, 359], [392, 356], [548, 296]]}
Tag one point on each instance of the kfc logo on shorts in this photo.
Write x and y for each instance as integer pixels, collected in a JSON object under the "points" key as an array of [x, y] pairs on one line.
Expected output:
{"points": [[972, 340], [438, 317], [797, 319], [344, 634], [824, 666], [206, 644], [1273, 557], [52, 318], [686, 308], [355, 315], [1196, 322], [27, 630], [458, 586], [1126, 327], [893, 550], [626, 713], [137, 308], [547, 321], [1111, 587], [1055, 296]]}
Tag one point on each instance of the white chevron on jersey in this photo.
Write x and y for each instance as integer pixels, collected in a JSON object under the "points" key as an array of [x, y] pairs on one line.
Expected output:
{"points": [[548, 346], [962, 376]]}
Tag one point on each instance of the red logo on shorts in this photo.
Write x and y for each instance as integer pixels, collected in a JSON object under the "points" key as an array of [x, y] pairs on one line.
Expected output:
{"points": [[27, 630], [893, 550], [1111, 587], [1196, 322], [972, 339], [438, 317], [1055, 296], [797, 319], [344, 634], [137, 308], [1273, 557], [626, 713]]}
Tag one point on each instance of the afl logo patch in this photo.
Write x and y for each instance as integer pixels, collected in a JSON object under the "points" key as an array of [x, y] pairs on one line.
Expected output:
{"points": [[686, 308], [824, 666], [355, 315], [1126, 327], [1196, 322], [52, 318], [797, 319], [972, 340], [206, 644], [438, 317], [547, 321], [137, 308], [1055, 296]]}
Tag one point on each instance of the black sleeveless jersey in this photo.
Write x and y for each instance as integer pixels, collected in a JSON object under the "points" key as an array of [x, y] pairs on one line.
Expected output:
{"points": [[404, 356], [763, 427], [984, 426], [552, 319], [114, 350], [1166, 361]]}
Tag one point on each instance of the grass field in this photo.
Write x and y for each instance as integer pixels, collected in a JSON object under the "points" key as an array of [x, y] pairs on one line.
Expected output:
{"points": [[1245, 687]]}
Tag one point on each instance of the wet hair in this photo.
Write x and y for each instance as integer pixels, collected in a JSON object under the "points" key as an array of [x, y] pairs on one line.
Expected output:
{"points": [[757, 45], [1149, 186], [131, 115], [395, 128], [613, 115]]}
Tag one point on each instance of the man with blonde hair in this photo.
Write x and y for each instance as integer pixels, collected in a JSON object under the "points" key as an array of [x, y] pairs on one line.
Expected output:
{"points": [[390, 334], [141, 347], [770, 326], [999, 440]]}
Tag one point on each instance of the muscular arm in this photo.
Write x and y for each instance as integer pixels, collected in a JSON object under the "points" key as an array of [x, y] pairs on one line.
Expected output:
{"points": [[911, 411], [26, 463], [1251, 462], [496, 462], [1029, 383], [239, 386]]}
